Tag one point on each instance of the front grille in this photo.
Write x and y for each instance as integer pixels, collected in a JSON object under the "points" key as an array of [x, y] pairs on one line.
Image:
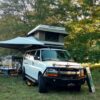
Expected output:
{"points": [[68, 76], [70, 73]]}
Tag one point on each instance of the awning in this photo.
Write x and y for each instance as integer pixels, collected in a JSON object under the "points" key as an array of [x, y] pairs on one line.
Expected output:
{"points": [[21, 43]]}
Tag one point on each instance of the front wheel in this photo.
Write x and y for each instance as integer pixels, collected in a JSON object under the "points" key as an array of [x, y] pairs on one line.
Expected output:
{"points": [[42, 84], [78, 88]]}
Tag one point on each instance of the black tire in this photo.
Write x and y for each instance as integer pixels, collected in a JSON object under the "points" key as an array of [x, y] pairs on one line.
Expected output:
{"points": [[42, 84], [23, 74], [78, 88]]}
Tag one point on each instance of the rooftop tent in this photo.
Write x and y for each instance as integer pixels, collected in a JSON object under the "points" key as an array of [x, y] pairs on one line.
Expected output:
{"points": [[21, 43], [54, 29], [49, 35]]}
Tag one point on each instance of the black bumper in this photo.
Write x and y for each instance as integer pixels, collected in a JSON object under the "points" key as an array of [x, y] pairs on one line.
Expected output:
{"points": [[64, 81]]}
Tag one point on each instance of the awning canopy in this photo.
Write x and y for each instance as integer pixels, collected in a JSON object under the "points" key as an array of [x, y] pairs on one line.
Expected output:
{"points": [[21, 43]]}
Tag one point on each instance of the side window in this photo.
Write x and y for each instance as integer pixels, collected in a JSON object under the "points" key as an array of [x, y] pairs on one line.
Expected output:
{"points": [[25, 55], [37, 55], [33, 53]]}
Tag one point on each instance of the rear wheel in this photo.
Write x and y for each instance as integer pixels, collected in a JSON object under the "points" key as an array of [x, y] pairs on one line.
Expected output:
{"points": [[42, 84], [23, 74]]}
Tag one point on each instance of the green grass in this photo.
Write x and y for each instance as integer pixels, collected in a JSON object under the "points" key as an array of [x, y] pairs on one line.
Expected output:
{"points": [[14, 88]]}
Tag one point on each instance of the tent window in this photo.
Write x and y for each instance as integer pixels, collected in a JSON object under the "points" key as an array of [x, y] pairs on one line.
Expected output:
{"points": [[51, 37]]}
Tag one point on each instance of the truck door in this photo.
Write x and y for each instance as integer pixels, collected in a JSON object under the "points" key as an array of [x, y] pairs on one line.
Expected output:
{"points": [[33, 64], [36, 64], [28, 63]]}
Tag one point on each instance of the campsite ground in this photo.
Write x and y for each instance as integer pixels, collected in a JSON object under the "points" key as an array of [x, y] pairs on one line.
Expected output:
{"points": [[14, 88]]}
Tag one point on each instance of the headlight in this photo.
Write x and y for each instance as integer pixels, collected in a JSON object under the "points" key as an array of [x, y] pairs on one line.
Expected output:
{"points": [[51, 72]]}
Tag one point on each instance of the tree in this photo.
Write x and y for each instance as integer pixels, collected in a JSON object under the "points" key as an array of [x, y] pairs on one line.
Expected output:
{"points": [[80, 17], [84, 39]]}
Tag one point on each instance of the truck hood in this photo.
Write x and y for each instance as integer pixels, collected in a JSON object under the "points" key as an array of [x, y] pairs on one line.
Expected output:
{"points": [[62, 64]]}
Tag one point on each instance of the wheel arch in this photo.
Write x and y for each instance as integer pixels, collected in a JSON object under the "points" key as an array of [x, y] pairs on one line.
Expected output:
{"points": [[39, 73]]}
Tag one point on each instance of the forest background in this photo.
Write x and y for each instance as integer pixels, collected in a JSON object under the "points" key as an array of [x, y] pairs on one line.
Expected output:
{"points": [[81, 18]]}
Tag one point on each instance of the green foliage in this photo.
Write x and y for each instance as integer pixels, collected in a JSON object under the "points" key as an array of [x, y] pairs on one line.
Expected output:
{"points": [[81, 20], [84, 40]]}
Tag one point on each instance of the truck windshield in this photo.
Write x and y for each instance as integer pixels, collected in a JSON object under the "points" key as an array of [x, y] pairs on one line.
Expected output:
{"points": [[55, 55]]}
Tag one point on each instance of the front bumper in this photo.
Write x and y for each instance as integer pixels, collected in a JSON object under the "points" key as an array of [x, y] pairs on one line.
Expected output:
{"points": [[64, 76], [64, 81]]}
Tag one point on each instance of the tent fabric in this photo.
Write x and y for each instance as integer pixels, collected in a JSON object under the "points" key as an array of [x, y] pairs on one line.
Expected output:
{"points": [[48, 28], [20, 43]]}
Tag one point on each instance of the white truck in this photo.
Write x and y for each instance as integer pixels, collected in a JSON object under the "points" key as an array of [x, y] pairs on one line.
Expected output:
{"points": [[52, 67]]}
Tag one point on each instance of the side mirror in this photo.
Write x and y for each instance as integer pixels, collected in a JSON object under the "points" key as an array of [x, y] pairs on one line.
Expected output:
{"points": [[37, 58]]}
